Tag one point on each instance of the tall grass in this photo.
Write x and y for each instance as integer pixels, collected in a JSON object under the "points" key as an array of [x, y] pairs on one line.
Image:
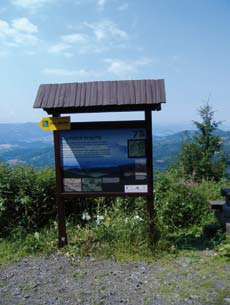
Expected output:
{"points": [[109, 227]]}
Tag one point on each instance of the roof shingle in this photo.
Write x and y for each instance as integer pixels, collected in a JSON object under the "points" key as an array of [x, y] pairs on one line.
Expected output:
{"points": [[101, 95]]}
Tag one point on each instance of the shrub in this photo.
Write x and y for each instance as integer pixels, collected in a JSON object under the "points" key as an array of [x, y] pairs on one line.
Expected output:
{"points": [[180, 203], [27, 197]]}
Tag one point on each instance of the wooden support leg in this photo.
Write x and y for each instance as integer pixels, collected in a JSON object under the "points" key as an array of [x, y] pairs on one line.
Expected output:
{"points": [[62, 235], [150, 197], [152, 229]]}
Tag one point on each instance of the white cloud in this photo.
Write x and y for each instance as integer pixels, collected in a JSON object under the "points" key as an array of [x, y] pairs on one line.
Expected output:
{"points": [[67, 42], [59, 48], [24, 25], [119, 67], [30, 4], [18, 32], [94, 37], [123, 68], [75, 37], [100, 4], [4, 27], [81, 73], [145, 61], [106, 29], [64, 72]]}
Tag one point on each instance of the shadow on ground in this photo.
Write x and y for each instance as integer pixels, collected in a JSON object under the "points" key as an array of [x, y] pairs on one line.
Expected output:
{"points": [[194, 241]]}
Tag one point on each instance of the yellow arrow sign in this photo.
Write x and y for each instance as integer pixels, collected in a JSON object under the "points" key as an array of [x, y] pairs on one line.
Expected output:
{"points": [[49, 123]]}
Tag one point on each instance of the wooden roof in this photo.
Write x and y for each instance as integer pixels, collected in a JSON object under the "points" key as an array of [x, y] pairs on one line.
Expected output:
{"points": [[101, 96]]}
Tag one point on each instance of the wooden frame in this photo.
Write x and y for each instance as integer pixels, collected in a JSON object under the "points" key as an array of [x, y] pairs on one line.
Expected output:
{"points": [[60, 195], [101, 126]]}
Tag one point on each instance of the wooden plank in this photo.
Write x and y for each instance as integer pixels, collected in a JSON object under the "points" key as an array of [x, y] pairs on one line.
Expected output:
{"points": [[93, 94], [67, 94], [45, 99], [119, 94], [161, 85], [150, 198], [216, 205], [127, 99], [62, 235], [137, 87], [149, 97], [39, 97], [107, 95], [61, 98], [225, 191], [58, 93], [143, 91], [106, 108], [100, 100], [82, 95], [228, 231], [132, 93], [88, 94], [73, 95], [52, 95]]}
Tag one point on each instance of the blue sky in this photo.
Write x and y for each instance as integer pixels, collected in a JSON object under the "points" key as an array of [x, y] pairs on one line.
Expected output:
{"points": [[55, 41]]}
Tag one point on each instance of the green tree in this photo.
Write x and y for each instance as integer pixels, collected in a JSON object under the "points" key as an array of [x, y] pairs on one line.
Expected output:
{"points": [[202, 157]]}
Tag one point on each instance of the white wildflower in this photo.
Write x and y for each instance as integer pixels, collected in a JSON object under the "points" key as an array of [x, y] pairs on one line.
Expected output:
{"points": [[137, 218], [99, 219], [85, 216]]}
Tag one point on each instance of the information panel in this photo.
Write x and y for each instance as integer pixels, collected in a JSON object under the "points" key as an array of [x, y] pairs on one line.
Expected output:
{"points": [[104, 160]]}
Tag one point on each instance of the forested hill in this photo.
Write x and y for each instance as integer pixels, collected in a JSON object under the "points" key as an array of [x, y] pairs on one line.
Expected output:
{"points": [[27, 143]]}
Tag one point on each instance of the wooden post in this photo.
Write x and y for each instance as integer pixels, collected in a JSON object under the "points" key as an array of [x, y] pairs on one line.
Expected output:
{"points": [[150, 197], [62, 235]]}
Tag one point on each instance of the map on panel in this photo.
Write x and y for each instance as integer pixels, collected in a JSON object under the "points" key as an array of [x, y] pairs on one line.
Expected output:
{"points": [[104, 160]]}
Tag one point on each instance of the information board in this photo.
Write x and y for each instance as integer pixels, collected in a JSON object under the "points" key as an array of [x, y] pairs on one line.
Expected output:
{"points": [[104, 160]]}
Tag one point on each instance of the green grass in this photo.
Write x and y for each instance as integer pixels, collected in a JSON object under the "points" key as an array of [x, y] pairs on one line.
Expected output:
{"points": [[118, 241], [207, 271], [178, 263], [21, 245]]}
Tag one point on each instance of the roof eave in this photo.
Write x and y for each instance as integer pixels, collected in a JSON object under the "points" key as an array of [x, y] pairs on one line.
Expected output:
{"points": [[108, 108]]}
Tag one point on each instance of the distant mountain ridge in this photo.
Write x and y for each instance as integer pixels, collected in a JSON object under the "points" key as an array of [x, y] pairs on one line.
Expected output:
{"points": [[21, 132], [27, 143]]}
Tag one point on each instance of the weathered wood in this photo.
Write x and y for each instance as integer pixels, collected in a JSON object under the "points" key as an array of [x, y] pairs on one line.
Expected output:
{"points": [[101, 95], [225, 191], [150, 197], [228, 229], [216, 205], [62, 235]]}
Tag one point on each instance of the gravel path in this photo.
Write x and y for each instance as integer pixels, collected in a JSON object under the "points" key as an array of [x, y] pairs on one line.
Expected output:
{"points": [[61, 279]]}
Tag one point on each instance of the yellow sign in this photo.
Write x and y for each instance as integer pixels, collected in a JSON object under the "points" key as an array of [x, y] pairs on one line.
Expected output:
{"points": [[50, 123]]}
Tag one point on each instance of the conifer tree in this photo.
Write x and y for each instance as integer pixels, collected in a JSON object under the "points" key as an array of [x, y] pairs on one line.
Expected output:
{"points": [[203, 157]]}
